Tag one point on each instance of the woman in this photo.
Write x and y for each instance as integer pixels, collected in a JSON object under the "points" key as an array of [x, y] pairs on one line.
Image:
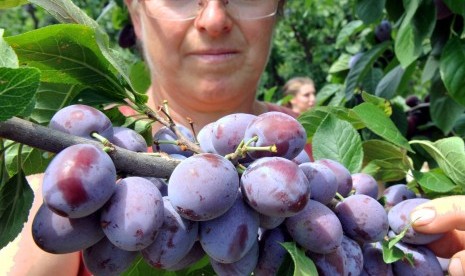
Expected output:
{"points": [[302, 90], [206, 59]]}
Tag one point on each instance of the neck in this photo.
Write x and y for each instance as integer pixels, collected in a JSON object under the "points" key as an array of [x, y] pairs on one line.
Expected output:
{"points": [[201, 113]]}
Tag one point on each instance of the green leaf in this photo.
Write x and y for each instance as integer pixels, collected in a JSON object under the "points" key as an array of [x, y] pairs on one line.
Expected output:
{"points": [[459, 127], [397, 238], [348, 30], [340, 65], [140, 77], [392, 254], [455, 6], [15, 201], [303, 265], [378, 122], [369, 11], [312, 118], [201, 267], [371, 80], [327, 92], [9, 58], [33, 160], [430, 68], [17, 89], [91, 97], [449, 153], [52, 97], [452, 69], [405, 85], [383, 170], [68, 53], [65, 11], [287, 266], [269, 93], [385, 161], [417, 25], [6, 4], [387, 87], [382, 103], [338, 140], [434, 180], [362, 67], [444, 110], [141, 268], [394, 9]]}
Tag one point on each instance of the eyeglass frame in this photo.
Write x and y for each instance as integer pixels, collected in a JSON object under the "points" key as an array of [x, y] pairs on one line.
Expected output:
{"points": [[278, 11]]}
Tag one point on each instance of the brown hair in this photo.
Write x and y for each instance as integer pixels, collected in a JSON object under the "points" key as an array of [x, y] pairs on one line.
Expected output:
{"points": [[293, 85]]}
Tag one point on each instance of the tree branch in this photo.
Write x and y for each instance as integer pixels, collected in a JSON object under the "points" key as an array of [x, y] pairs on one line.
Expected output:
{"points": [[44, 138]]}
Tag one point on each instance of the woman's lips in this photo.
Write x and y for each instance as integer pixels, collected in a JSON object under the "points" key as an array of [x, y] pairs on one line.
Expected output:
{"points": [[215, 55]]}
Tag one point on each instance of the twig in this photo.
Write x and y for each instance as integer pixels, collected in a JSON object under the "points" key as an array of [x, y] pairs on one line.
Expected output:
{"points": [[44, 138]]}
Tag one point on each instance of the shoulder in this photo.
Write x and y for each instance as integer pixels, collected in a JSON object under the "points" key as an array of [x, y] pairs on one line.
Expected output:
{"points": [[280, 108]]}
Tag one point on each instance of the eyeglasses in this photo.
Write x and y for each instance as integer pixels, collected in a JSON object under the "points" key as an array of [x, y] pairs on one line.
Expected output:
{"points": [[181, 10]]}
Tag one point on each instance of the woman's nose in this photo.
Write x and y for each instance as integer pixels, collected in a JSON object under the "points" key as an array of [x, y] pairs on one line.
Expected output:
{"points": [[213, 18]]}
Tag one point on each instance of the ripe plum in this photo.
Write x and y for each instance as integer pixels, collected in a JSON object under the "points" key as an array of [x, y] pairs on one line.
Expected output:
{"points": [[229, 237], [322, 180], [166, 134], [105, 258], [394, 194], [128, 139], [174, 239], [268, 222], [343, 176], [333, 263], [425, 263], [78, 181], [203, 186], [205, 136], [242, 267], [133, 216], [354, 256], [82, 120], [228, 132], [316, 228], [398, 217], [373, 263], [195, 254], [275, 186], [276, 128], [365, 184], [271, 252], [363, 218], [59, 235]]}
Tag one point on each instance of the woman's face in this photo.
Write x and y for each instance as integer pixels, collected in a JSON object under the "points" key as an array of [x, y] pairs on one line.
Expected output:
{"points": [[304, 99], [208, 62]]}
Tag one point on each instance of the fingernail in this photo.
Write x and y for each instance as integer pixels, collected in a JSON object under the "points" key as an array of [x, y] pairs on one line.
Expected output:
{"points": [[455, 267], [422, 216]]}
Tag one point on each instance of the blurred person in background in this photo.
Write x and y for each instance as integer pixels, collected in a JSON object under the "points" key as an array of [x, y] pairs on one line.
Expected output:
{"points": [[303, 92]]}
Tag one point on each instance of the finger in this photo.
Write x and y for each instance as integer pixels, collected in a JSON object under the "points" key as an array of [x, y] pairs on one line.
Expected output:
{"points": [[457, 264], [439, 215], [449, 244]]}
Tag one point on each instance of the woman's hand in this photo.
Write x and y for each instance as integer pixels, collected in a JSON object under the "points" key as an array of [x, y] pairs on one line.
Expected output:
{"points": [[444, 215]]}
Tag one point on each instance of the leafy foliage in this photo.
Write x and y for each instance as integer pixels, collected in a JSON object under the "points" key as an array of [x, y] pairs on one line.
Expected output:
{"points": [[361, 121]]}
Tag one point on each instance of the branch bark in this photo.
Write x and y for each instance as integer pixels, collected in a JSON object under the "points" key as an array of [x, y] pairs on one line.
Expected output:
{"points": [[44, 138]]}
